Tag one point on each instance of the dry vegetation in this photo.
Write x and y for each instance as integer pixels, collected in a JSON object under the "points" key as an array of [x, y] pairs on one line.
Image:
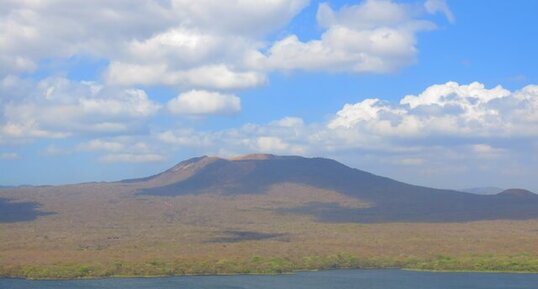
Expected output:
{"points": [[108, 230]]}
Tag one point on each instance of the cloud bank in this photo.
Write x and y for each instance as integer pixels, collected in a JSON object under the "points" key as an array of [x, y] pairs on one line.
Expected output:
{"points": [[209, 44], [205, 49], [201, 102], [446, 110], [58, 108]]}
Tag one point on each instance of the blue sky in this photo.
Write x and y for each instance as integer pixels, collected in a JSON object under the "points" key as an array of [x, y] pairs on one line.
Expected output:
{"points": [[430, 92]]}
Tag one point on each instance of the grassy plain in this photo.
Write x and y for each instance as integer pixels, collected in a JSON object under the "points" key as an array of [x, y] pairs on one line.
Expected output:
{"points": [[103, 230]]}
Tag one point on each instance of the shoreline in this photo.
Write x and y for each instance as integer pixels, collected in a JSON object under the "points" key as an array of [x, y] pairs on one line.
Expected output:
{"points": [[264, 274]]}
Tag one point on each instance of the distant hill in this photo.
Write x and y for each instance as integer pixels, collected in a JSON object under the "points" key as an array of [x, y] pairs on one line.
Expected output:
{"points": [[483, 190], [518, 193]]}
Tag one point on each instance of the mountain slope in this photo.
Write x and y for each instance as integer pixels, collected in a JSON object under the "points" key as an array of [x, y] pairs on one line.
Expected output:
{"points": [[389, 200]]}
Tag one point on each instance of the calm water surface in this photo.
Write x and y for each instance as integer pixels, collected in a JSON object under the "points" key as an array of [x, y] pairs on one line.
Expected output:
{"points": [[337, 279]]}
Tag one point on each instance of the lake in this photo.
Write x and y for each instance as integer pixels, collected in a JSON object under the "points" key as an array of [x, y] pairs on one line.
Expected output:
{"points": [[335, 279]]}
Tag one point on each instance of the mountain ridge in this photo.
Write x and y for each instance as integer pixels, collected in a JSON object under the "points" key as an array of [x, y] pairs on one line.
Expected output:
{"points": [[257, 174], [391, 200]]}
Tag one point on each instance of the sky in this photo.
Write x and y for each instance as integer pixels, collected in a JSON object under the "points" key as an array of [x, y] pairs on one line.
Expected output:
{"points": [[437, 93]]}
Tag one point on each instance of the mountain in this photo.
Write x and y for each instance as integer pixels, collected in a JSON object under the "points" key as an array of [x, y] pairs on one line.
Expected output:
{"points": [[260, 213], [388, 200]]}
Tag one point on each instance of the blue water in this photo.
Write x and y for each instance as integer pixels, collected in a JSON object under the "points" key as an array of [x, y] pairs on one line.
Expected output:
{"points": [[337, 279]]}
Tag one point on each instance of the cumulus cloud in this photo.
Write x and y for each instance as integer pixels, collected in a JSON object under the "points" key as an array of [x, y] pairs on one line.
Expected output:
{"points": [[287, 135], [33, 30], [194, 52], [238, 16], [175, 37], [36, 29], [202, 102], [292, 122], [434, 6], [189, 58], [373, 36], [487, 151], [58, 107], [270, 143], [448, 109], [177, 42]]}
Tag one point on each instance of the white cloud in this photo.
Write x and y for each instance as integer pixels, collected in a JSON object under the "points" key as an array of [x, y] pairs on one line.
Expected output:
{"points": [[487, 151], [373, 36], [282, 136], [12, 132], [183, 46], [434, 6], [289, 122], [57, 107], [453, 93], [33, 30], [213, 76], [36, 29], [447, 109], [131, 158], [238, 16], [120, 149], [194, 52], [98, 144], [271, 144], [183, 36], [220, 76], [201, 102], [458, 119], [206, 43]]}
